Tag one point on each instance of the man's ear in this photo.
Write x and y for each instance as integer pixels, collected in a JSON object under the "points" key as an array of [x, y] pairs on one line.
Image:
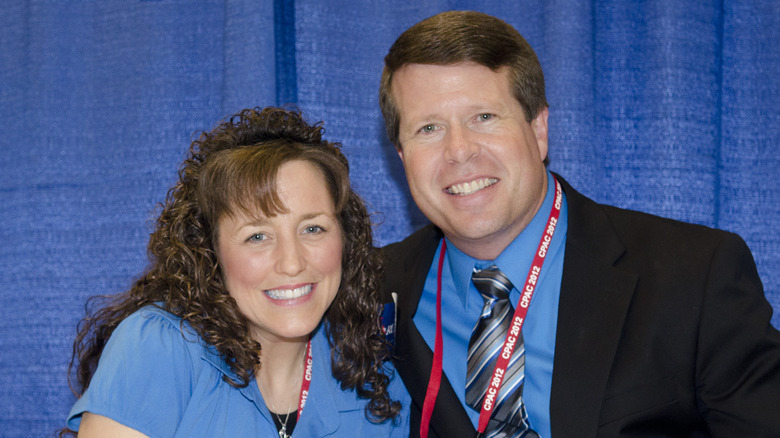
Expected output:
{"points": [[539, 125]]}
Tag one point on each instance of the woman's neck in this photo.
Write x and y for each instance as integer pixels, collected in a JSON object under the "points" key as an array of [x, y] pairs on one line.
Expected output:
{"points": [[280, 374]]}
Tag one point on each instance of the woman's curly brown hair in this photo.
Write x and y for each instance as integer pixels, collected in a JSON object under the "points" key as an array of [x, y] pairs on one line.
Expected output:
{"points": [[234, 167]]}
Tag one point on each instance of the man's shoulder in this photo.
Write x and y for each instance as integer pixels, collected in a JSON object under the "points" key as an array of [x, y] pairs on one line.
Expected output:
{"points": [[644, 235], [648, 227], [426, 237], [659, 237], [626, 220], [408, 261]]}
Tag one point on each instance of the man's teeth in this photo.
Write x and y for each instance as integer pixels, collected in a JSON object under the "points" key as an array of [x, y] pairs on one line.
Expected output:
{"points": [[288, 294], [471, 187]]}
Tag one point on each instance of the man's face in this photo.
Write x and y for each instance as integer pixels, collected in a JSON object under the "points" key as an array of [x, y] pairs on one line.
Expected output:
{"points": [[474, 164]]}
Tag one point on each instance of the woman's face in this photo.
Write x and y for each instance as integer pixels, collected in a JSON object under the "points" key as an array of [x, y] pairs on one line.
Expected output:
{"points": [[284, 271]]}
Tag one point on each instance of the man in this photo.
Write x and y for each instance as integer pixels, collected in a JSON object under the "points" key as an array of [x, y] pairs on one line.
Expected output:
{"points": [[638, 325]]}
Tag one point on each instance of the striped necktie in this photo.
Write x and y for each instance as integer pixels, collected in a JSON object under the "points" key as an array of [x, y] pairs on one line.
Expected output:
{"points": [[509, 417]]}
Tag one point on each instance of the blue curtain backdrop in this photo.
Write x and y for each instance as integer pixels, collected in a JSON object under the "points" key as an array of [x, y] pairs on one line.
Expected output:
{"points": [[666, 106]]}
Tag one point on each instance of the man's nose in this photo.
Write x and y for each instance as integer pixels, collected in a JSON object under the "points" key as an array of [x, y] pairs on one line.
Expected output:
{"points": [[460, 146]]}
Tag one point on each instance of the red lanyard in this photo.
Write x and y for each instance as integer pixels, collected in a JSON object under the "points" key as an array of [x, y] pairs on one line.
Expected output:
{"points": [[511, 337], [436, 369], [306, 380]]}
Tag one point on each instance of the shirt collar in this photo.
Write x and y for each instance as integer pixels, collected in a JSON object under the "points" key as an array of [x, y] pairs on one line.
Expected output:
{"points": [[514, 255]]}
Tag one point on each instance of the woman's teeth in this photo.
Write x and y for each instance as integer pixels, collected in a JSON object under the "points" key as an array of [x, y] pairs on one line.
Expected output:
{"points": [[288, 294]]}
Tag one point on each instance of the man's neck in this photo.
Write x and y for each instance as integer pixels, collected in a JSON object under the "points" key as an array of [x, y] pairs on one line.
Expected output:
{"points": [[491, 246]]}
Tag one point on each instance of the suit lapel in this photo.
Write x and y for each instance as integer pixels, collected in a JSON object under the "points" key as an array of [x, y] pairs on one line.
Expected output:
{"points": [[413, 355], [594, 300]]}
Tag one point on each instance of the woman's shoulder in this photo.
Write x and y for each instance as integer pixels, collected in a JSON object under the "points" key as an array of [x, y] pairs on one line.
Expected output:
{"points": [[152, 314], [153, 331], [144, 371]]}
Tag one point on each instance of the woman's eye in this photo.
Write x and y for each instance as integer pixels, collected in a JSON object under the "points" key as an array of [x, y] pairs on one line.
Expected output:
{"points": [[256, 237], [313, 229]]}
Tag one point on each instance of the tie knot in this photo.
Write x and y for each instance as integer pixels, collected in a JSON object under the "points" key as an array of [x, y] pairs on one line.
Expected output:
{"points": [[491, 283]]}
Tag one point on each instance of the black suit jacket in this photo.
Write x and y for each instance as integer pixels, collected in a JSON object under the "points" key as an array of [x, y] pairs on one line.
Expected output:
{"points": [[663, 331]]}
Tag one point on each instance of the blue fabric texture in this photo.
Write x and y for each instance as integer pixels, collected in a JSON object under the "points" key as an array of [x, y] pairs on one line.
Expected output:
{"points": [[165, 382], [662, 106], [540, 325]]}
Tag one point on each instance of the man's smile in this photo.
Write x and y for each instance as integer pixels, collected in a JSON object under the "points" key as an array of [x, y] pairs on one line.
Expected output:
{"points": [[467, 188]]}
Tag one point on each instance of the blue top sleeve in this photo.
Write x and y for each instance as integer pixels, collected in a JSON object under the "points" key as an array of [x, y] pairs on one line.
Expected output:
{"points": [[144, 359]]}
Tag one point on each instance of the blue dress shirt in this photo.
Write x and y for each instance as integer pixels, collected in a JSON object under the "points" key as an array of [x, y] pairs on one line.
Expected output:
{"points": [[462, 313]]}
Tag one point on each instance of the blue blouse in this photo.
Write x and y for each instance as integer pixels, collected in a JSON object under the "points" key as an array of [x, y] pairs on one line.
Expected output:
{"points": [[156, 376]]}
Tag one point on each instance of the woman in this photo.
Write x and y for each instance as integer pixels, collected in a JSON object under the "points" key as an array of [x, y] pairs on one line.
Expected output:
{"points": [[259, 313]]}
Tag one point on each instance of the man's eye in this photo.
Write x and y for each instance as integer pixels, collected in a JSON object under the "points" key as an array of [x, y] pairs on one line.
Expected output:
{"points": [[484, 117], [428, 129]]}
